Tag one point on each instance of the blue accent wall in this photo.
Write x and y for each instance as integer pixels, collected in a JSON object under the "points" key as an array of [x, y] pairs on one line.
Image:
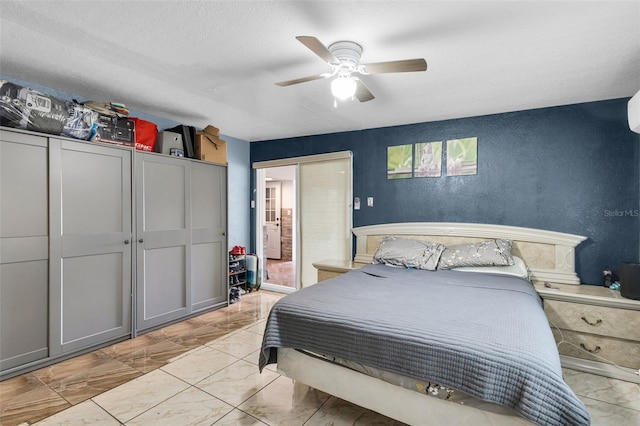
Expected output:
{"points": [[573, 169]]}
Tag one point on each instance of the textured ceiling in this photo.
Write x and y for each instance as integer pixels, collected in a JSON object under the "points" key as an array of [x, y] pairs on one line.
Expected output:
{"points": [[216, 62]]}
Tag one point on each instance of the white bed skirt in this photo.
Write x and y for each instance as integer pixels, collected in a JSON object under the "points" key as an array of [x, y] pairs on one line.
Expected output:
{"points": [[401, 404]]}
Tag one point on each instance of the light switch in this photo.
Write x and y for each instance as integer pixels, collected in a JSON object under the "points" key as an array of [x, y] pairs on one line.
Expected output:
{"points": [[370, 201]]}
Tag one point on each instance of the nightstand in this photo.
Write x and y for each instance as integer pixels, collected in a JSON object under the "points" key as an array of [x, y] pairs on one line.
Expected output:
{"points": [[600, 326], [328, 269]]}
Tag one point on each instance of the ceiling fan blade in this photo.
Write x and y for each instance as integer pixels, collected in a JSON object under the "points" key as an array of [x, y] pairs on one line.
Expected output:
{"points": [[304, 79], [318, 48], [362, 93], [408, 65]]}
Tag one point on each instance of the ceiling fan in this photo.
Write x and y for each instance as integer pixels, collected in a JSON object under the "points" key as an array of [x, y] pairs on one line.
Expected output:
{"points": [[344, 58]]}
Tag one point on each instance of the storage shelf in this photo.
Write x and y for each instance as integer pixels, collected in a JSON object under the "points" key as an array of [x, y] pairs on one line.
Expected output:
{"points": [[237, 272]]}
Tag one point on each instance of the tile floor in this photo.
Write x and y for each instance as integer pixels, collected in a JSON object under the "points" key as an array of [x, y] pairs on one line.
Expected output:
{"points": [[281, 272], [203, 371]]}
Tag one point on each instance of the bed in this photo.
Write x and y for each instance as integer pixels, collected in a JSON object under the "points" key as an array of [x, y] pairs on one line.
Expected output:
{"points": [[432, 339]]}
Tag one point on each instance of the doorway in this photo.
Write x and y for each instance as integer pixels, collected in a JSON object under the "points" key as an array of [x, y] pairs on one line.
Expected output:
{"points": [[279, 212], [314, 221]]}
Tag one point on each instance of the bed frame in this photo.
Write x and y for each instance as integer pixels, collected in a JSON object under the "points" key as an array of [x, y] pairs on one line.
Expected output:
{"points": [[549, 255]]}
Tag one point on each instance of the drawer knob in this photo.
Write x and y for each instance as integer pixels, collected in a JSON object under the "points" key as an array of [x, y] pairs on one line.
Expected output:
{"points": [[593, 351], [592, 323]]}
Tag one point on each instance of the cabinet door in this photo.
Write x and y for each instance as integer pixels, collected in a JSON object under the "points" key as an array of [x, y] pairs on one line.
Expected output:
{"points": [[90, 193], [163, 240], [208, 235], [24, 242]]}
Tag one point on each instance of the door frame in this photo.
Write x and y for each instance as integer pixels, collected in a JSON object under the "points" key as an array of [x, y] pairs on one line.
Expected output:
{"points": [[261, 184], [259, 167], [277, 185]]}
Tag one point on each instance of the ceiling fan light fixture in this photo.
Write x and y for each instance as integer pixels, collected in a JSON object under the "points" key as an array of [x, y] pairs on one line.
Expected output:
{"points": [[343, 87], [344, 58]]}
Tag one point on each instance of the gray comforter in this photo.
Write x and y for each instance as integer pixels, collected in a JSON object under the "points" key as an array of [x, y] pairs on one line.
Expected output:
{"points": [[484, 334]]}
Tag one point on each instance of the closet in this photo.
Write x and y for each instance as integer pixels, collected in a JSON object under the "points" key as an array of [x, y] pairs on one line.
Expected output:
{"points": [[99, 242], [90, 244], [181, 238], [24, 249]]}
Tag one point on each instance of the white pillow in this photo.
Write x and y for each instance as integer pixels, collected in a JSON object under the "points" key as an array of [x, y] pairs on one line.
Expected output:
{"points": [[485, 253], [518, 269], [408, 253]]}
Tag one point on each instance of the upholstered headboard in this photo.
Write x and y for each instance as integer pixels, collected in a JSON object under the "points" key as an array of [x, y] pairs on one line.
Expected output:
{"points": [[549, 255]]}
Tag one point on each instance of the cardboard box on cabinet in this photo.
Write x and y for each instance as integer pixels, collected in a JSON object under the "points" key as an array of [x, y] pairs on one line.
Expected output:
{"points": [[209, 147]]}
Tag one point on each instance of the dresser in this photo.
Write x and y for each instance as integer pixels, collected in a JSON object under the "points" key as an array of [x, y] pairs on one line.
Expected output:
{"points": [[328, 269], [596, 328]]}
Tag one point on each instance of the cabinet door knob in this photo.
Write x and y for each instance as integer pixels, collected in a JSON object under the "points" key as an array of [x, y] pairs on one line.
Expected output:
{"points": [[593, 351], [141, 240], [592, 323], [126, 241]]}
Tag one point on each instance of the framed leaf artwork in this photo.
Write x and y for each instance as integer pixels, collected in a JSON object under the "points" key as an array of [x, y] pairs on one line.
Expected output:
{"points": [[462, 157], [399, 161]]}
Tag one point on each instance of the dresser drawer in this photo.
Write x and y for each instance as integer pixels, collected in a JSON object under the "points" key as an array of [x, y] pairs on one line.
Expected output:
{"points": [[328, 269], [625, 353], [600, 320], [327, 275]]}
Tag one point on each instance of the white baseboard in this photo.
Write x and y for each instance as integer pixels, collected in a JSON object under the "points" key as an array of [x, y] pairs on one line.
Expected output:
{"points": [[600, 368], [276, 288]]}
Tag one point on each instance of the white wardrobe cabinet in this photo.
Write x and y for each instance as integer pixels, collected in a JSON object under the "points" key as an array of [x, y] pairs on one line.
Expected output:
{"points": [[65, 265], [24, 249], [98, 242], [180, 237], [90, 237], [209, 254]]}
